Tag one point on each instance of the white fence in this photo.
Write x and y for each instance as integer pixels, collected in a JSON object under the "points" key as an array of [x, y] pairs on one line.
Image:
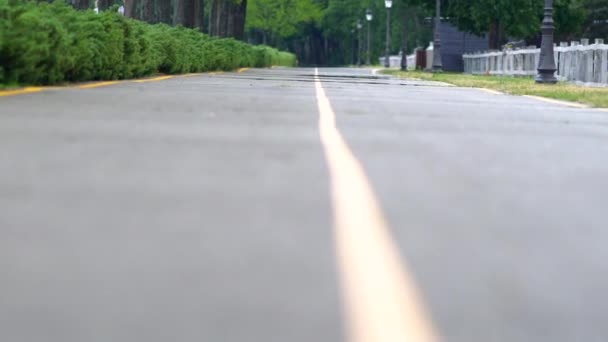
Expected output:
{"points": [[395, 61], [581, 63]]}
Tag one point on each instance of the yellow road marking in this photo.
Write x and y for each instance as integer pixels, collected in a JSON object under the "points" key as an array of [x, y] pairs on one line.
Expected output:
{"points": [[97, 84], [381, 302], [242, 70], [26, 90], [194, 74], [559, 102], [155, 79]]}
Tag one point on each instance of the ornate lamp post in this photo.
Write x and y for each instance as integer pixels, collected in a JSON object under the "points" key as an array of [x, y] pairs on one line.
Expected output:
{"points": [[359, 27], [369, 17], [546, 65], [388, 4], [437, 61]]}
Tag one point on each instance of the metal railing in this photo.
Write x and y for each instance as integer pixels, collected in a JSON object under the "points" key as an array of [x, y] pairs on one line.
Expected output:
{"points": [[576, 62]]}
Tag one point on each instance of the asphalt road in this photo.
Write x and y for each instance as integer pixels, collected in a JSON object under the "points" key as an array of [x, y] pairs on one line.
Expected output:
{"points": [[216, 208]]}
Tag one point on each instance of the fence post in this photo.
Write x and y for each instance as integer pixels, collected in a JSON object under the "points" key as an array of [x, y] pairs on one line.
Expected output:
{"points": [[573, 61], [603, 50], [531, 64], [561, 69], [587, 76]]}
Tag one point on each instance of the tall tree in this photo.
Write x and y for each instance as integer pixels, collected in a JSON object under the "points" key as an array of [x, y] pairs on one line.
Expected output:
{"points": [[199, 9], [410, 12], [280, 18], [184, 13], [148, 11], [130, 8], [499, 18], [81, 4], [596, 24], [164, 11], [569, 17], [227, 18], [104, 4]]}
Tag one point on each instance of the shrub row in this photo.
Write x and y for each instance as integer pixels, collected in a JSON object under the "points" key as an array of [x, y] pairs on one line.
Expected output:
{"points": [[42, 43]]}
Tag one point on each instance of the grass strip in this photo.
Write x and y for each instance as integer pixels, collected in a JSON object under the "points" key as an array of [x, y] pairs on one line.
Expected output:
{"points": [[595, 97]]}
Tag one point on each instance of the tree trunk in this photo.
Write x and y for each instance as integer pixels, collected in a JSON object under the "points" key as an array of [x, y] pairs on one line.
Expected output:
{"points": [[147, 11], [179, 13], [190, 14], [199, 9], [183, 13], [227, 18], [494, 36], [239, 22], [404, 39], [130, 8], [164, 11], [81, 4], [104, 4]]}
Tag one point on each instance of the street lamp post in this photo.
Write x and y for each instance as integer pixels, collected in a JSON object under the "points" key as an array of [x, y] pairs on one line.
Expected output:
{"points": [[352, 32], [546, 65], [388, 4], [369, 17], [437, 61], [359, 27]]}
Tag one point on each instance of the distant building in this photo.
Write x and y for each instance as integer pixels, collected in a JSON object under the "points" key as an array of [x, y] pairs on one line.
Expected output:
{"points": [[454, 44]]}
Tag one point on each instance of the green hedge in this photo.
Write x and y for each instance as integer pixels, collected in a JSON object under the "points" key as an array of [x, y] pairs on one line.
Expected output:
{"points": [[43, 43]]}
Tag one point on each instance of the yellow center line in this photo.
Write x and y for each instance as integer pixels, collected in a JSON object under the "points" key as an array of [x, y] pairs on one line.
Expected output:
{"points": [[26, 90], [381, 301]]}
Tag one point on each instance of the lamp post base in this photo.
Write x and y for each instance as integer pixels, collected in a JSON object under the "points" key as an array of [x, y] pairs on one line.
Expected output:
{"points": [[546, 77]]}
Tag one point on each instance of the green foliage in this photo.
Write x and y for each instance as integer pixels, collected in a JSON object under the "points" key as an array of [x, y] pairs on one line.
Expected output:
{"points": [[596, 21], [324, 31], [281, 17], [516, 18], [512, 18], [569, 17], [596, 97], [43, 43]]}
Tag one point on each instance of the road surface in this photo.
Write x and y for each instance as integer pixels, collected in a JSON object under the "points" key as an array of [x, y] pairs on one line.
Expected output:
{"points": [[300, 205]]}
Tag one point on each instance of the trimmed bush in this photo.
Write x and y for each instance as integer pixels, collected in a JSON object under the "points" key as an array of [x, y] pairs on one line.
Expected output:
{"points": [[42, 43]]}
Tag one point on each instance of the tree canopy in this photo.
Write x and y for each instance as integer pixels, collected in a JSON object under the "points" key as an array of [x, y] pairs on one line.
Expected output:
{"points": [[325, 31], [281, 17]]}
